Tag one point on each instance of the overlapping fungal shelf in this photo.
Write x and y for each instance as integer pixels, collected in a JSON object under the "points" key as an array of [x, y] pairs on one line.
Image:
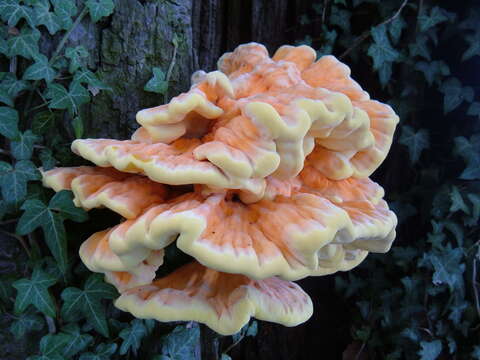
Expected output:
{"points": [[279, 151]]}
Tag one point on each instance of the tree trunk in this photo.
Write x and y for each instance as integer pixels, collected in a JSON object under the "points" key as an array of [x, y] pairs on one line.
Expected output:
{"points": [[124, 49]]}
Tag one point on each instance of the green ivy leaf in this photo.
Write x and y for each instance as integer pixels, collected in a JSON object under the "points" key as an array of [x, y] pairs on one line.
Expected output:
{"points": [[469, 150], [13, 180], [25, 44], [102, 352], [76, 341], [430, 350], [395, 29], [50, 218], [455, 94], [99, 8], [10, 87], [84, 76], [474, 109], [47, 159], [457, 201], [415, 141], [435, 17], [22, 148], [382, 53], [63, 202], [75, 55], [11, 12], [8, 122], [87, 303], [157, 83], [46, 17], [25, 323], [476, 352], [475, 200], [77, 125], [474, 46], [71, 99], [65, 9], [180, 343], [43, 122], [54, 344], [420, 47], [34, 291], [41, 69], [433, 71], [132, 336], [341, 18]]}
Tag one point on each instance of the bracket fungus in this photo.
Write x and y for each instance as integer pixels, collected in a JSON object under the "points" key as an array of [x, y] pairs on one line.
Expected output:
{"points": [[277, 153]]}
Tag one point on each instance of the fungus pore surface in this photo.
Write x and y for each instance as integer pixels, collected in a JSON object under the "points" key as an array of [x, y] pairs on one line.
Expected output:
{"points": [[279, 151]]}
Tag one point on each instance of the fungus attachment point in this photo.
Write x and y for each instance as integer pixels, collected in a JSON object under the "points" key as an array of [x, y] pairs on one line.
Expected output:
{"points": [[259, 172]]}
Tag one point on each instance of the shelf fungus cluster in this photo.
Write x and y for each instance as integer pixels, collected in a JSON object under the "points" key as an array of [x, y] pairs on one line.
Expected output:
{"points": [[260, 172]]}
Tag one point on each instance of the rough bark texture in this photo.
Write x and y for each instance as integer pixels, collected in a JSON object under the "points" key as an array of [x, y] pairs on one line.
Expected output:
{"points": [[123, 50]]}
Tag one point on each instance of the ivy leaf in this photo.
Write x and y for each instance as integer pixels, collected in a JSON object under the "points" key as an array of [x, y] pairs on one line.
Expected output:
{"points": [[102, 352], [476, 352], [341, 18], [10, 86], [34, 291], [53, 345], [11, 12], [47, 159], [25, 44], [382, 53], [87, 303], [420, 47], [448, 267], [22, 148], [65, 9], [433, 71], [474, 109], [63, 202], [27, 322], [180, 343], [13, 180], [45, 17], [157, 83], [76, 341], [455, 94], [8, 122], [132, 336], [75, 55], [475, 200], [430, 350], [457, 201], [84, 76], [469, 150], [415, 141], [40, 70], [43, 122], [71, 99], [435, 17], [99, 8], [77, 125], [474, 46], [50, 218], [395, 29]]}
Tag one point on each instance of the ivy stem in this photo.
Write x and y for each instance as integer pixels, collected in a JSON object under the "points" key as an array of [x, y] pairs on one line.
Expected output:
{"points": [[9, 221], [474, 285], [170, 68], [55, 54], [367, 33], [51, 325], [67, 35], [20, 239]]}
